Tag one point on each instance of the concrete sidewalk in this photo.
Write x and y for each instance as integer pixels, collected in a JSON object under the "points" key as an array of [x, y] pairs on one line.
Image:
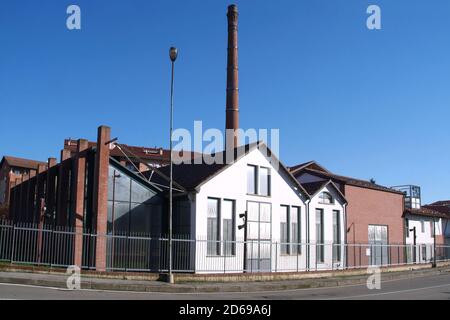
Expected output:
{"points": [[110, 284]]}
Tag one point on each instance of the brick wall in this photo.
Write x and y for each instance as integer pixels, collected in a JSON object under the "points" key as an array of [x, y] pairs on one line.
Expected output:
{"points": [[372, 207]]}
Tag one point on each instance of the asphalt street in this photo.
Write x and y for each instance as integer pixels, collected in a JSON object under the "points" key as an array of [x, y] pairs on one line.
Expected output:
{"points": [[435, 287]]}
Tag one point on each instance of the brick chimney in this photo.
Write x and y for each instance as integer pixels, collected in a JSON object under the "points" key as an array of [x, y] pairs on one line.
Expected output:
{"points": [[232, 108]]}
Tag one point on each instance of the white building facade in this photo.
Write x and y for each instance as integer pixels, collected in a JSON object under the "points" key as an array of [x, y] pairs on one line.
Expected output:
{"points": [[253, 216], [326, 226], [420, 233]]}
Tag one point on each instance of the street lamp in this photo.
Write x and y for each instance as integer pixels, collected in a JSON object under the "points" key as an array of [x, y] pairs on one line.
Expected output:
{"points": [[173, 54]]}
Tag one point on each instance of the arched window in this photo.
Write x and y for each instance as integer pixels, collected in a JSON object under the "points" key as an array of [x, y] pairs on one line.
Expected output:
{"points": [[326, 198]]}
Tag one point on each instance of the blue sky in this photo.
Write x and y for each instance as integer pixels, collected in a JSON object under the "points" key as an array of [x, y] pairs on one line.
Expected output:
{"points": [[368, 104]]}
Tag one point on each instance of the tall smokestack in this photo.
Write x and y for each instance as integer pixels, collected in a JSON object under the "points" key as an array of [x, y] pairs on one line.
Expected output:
{"points": [[232, 110]]}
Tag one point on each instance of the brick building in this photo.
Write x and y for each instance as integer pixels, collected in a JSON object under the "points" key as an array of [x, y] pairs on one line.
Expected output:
{"points": [[13, 171], [370, 206], [92, 189]]}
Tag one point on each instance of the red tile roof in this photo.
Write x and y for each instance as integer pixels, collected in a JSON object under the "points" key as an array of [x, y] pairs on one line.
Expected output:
{"points": [[425, 211], [442, 209], [441, 203], [348, 180], [22, 163]]}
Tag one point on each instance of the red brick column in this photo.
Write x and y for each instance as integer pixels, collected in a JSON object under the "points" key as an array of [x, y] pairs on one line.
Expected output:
{"points": [[12, 202], [63, 189], [100, 205], [80, 173], [50, 188], [39, 191]]}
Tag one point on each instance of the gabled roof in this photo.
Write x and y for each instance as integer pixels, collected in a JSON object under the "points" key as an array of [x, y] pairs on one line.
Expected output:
{"points": [[426, 212], [314, 188], [345, 180], [21, 162], [191, 176], [310, 164]]}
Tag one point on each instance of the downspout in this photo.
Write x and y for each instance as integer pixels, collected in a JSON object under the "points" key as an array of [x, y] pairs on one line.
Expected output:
{"points": [[345, 235], [307, 202]]}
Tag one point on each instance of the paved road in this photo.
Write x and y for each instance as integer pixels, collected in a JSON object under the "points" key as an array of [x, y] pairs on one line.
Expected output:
{"points": [[428, 287]]}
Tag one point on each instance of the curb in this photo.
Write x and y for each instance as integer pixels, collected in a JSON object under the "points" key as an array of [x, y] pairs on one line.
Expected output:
{"points": [[59, 281]]}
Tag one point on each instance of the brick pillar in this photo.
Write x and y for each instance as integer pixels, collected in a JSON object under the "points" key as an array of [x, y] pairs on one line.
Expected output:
{"points": [[50, 196], [26, 197], [21, 195], [100, 204], [78, 187], [62, 218], [39, 192], [12, 202]]}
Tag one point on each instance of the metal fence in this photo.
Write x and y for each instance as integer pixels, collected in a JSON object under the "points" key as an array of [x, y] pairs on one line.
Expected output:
{"points": [[32, 244]]}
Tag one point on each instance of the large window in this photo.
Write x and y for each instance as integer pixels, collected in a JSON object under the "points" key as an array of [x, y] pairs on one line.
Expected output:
{"points": [[296, 227], [284, 229], [221, 227], [213, 246], [258, 180], [319, 236], [228, 230], [326, 198], [336, 235], [290, 229], [131, 205]]}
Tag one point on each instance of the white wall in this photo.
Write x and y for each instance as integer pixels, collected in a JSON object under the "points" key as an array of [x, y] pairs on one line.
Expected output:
{"points": [[424, 240], [232, 184], [328, 229]]}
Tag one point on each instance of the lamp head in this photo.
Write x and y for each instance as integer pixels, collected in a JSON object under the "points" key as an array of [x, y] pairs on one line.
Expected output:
{"points": [[173, 53]]}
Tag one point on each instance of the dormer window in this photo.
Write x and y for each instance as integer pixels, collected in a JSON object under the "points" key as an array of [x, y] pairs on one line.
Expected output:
{"points": [[326, 198]]}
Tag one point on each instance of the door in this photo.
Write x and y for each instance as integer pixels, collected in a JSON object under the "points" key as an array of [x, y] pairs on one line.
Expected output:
{"points": [[378, 241], [259, 236]]}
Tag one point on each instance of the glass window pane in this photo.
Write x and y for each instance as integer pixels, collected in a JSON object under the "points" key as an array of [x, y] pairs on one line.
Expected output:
{"points": [[227, 209], [283, 213], [264, 231], [122, 187], [251, 179], [140, 193], [121, 216], [213, 208], [253, 211], [265, 212], [264, 181]]}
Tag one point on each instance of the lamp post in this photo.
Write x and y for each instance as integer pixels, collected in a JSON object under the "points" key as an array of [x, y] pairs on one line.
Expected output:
{"points": [[173, 53]]}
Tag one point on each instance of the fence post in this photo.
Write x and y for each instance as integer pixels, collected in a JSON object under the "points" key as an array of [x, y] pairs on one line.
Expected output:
{"points": [[13, 243], [276, 256], [224, 256]]}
